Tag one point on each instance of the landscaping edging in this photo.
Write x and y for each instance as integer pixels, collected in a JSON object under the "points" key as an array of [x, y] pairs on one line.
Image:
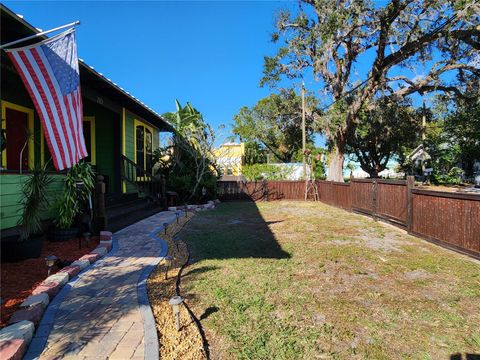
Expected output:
{"points": [[36, 314], [209, 205]]}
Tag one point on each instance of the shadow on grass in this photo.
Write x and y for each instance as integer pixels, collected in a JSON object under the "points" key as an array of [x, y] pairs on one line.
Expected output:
{"points": [[208, 311], [459, 356], [234, 230]]}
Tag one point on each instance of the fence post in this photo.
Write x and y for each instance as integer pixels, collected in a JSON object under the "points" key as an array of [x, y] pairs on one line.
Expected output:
{"points": [[100, 213], [374, 200], [410, 186]]}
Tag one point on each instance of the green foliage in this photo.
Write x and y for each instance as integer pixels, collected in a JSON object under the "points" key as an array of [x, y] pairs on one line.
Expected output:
{"points": [[257, 172], [188, 164], [68, 204], [330, 41], [34, 201], [275, 122], [452, 139], [316, 156], [383, 132], [254, 154]]}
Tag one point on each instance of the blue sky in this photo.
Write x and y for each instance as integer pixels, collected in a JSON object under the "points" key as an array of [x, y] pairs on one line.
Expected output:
{"points": [[208, 53]]}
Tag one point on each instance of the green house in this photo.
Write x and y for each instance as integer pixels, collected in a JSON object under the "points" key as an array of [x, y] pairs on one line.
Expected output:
{"points": [[120, 131]]}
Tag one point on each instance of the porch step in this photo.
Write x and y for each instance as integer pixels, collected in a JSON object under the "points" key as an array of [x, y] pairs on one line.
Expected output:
{"points": [[125, 209], [121, 222], [115, 199]]}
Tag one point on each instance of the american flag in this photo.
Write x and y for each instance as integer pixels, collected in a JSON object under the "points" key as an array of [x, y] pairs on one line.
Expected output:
{"points": [[49, 70]]}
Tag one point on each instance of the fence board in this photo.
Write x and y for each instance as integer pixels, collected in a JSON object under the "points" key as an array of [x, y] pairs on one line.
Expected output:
{"points": [[392, 201], [453, 221], [362, 194]]}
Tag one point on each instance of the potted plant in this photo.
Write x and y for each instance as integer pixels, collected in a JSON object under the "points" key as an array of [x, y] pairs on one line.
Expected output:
{"points": [[28, 244], [79, 183]]}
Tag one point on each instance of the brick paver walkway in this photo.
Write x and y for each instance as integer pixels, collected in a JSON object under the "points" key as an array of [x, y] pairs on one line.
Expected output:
{"points": [[105, 313]]}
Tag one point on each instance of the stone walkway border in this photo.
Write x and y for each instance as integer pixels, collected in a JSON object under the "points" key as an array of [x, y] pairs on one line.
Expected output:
{"points": [[40, 338]]}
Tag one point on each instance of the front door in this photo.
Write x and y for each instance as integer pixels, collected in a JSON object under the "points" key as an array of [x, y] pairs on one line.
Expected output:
{"points": [[17, 133]]}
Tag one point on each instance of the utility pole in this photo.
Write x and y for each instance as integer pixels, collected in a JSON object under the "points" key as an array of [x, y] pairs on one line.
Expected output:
{"points": [[424, 125], [424, 121], [304, 136]]}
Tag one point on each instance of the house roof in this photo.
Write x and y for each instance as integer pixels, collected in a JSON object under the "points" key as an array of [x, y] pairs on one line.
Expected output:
{"points": [[14, 27]]}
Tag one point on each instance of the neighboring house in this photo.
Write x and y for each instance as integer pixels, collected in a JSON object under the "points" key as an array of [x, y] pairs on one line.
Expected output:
{"points": [[120, 131], [230, 157], [419, 156]]}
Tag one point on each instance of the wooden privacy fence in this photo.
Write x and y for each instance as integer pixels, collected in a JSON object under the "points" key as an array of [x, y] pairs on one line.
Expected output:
{"points": [[448, 219]]}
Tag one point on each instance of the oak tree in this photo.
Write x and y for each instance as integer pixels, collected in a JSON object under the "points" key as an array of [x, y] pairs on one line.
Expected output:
{"points": [[404, 47]]}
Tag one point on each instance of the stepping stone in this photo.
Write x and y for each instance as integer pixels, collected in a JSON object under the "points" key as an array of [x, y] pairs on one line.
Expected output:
{"points": [[33, 300], [70, 270], [60, 277], [12, 349], [105, 235], [81, 263], [91, 258], [32, 313], [51, 288], [107, 244], [100, 250], [22, 330]]}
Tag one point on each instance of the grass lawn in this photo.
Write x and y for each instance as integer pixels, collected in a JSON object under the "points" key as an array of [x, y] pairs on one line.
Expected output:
{"points": [[303, 280]]}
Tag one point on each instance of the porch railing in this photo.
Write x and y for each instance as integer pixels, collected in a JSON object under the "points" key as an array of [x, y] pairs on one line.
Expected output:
{"points": [[143, 181]]}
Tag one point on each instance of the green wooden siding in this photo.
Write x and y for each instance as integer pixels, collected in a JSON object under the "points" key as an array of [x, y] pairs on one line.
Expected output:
{"points": [[130, 142], [11, 198], [105, 122]]}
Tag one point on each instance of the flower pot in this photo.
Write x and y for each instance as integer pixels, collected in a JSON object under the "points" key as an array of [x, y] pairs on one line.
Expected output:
{"points": [[58, 235], [14, 249]]}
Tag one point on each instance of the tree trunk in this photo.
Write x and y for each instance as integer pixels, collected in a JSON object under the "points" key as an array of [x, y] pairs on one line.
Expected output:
{"points": [[337, 156], [373, 174]]}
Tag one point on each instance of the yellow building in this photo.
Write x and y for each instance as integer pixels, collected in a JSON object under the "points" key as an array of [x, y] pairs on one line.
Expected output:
{"points": [[229, 158]]}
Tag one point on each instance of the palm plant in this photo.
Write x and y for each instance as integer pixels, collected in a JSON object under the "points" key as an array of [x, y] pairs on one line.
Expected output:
{"points": [[34, 200]]}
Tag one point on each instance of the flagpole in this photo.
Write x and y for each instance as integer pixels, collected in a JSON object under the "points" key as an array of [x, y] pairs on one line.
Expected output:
{"points": [[39, 34]]}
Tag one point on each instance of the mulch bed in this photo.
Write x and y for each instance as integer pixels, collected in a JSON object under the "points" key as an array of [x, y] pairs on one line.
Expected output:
{"points": [[19, 279], [186, 343]]}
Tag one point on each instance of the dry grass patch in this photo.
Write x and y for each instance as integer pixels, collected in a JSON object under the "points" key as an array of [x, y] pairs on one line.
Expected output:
{"points": [[303, 280]]}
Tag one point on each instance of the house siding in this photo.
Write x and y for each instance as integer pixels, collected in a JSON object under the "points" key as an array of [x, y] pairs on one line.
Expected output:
{"points": [[11, 197], [106, 156]]}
